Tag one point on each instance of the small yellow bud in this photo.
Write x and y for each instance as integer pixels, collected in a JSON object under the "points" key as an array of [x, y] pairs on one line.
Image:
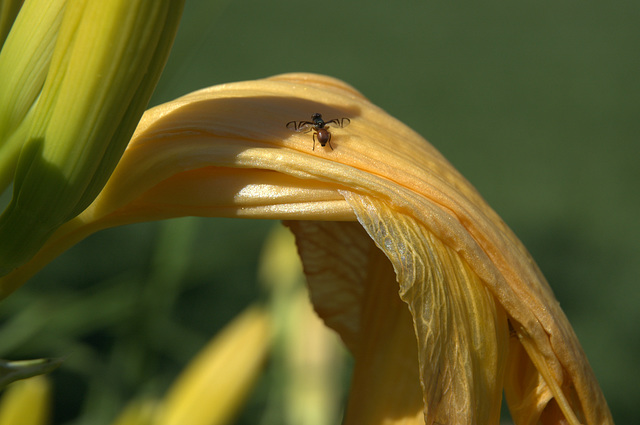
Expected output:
{"points": [[26, 402]]}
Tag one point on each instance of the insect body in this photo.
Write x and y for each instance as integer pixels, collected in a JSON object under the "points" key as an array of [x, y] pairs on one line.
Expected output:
{"points": [[320, 128]]}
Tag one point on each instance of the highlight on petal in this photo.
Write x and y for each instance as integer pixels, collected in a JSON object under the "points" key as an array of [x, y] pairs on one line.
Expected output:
{"points": [[469, 286]]}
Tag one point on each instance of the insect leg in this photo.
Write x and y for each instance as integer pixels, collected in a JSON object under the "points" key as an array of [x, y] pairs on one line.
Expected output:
{"points": [[329, 141], [314, 141]]}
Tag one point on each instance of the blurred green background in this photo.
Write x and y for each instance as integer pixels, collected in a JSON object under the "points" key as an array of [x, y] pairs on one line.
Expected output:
{"points": [[536, 103]]}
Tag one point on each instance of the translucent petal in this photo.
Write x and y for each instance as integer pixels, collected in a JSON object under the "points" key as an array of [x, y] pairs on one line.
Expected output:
{"points": [[353, 287]]}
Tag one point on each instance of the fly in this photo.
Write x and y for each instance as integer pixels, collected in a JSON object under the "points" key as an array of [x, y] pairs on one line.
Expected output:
{"points": [[320, 128]]}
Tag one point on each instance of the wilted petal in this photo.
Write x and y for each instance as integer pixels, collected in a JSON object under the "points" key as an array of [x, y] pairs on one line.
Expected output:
{"points": [[461, 333], [353, 287], [225, 151], [525, 389]]}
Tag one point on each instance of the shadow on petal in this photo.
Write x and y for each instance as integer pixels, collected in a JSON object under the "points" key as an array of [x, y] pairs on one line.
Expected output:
{"points": [[465, 277]]}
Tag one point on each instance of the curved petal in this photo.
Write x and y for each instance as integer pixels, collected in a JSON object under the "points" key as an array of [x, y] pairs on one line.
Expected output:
{"points": [[353, 288], [461, 332], [227, 151]]}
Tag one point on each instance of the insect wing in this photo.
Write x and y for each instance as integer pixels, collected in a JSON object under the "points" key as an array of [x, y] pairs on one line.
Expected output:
{"points": [[339, 122], [300, 126]]}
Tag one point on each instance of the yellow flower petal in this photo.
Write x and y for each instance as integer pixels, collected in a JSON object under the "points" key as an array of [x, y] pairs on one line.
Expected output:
{"points": [[226, 151], [26, 402], [353, 288], [461, 334], [213, 387]]}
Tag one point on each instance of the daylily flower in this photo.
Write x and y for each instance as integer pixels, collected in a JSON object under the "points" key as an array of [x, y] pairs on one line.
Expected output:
{"points": [[440, 304]]}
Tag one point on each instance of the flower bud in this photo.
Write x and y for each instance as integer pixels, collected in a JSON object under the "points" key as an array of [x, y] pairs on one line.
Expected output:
{"points": [[107, 59]]}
